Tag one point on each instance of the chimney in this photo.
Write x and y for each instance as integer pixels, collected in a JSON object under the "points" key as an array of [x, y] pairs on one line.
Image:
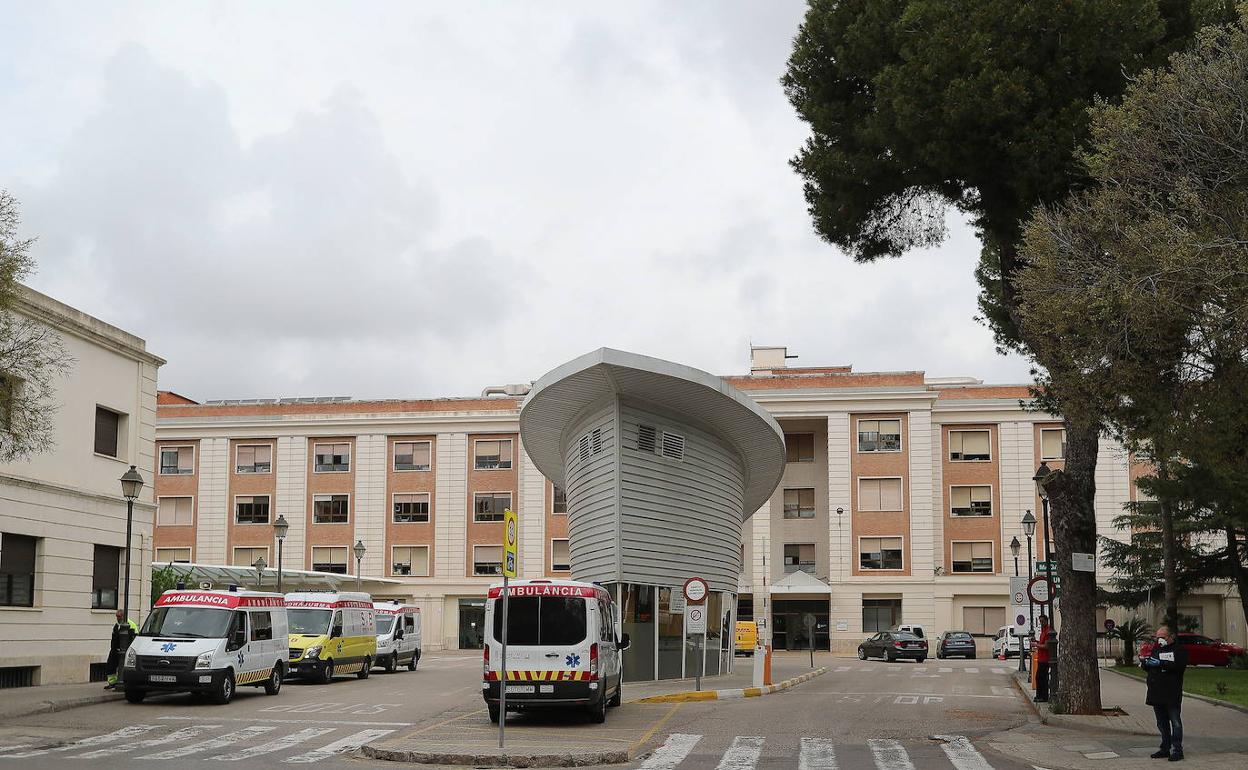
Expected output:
{"points": [[764, 358]]}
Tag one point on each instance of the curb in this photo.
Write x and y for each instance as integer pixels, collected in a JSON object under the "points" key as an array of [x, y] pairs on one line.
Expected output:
{"points": [[746, 692], [582, 759], [52, 707], [1205, 698]]}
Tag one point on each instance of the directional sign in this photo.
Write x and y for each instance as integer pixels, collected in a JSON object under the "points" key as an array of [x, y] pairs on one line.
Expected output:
{"points": [[1046, 567], [696, 590], [511, 541], [1039, 589], [695, 619]]}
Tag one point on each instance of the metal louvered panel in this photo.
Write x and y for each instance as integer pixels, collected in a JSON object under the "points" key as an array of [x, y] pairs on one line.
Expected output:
{"points": [[673, 446], [645, 438]]}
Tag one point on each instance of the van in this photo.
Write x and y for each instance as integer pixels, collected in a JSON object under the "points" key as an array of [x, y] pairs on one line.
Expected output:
{"points": [[911, 628], [331, 634], [398, 635], [208, 642], [563, 648], [746, 637], [1006, 641]]}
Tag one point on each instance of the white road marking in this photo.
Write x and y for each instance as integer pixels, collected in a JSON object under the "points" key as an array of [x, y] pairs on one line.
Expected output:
{"points": [[868, 668], [95, 740], [350, 743], [16, 747], [284, 742], [1002, 690], [817, 754], [177, 736], [1000, 671], [672, 752], [348, 723], [946, 695], [840, 669], [889, 755], [921, 668], [971, 670], [743, 754], [220, 742], [962, 754], [944, 670]]}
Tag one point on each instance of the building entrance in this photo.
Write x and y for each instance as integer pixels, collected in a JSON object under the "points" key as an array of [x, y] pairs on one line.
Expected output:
{"points": [[790, 628], [471, 624]]}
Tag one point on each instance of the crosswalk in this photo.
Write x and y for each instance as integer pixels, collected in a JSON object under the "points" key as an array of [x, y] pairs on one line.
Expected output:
{"points": [[161, 743], [690, 752]]}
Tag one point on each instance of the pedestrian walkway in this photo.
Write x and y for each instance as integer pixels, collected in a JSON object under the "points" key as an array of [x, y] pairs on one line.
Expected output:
{"points": [[682, 751], [45, 699]]}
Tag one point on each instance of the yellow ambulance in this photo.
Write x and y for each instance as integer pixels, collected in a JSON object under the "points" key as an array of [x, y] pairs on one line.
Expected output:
{"points": [[331, 634]]}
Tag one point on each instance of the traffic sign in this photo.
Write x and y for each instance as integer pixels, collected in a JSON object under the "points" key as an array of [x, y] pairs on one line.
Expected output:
{"points": [[1040, 588], [1046, 567], [695, 619], [1018, 590], [1021, 626], [511, 542], [696, 590]]}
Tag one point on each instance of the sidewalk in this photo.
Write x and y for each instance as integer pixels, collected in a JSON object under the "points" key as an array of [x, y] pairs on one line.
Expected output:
{"points": [[45, 699]]}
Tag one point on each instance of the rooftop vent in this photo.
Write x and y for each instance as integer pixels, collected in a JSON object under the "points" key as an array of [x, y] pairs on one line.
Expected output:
{"points": [[764, 358], [645, 438], [673, 446]]}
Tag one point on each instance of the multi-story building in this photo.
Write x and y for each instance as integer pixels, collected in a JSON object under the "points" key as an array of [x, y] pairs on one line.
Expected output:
{"points": [[898, 503], [62, 513]]}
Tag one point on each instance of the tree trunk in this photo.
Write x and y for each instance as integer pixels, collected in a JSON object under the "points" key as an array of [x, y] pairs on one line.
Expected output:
{"points": [[1072, 495], [1169, 551], [1236, 556]]}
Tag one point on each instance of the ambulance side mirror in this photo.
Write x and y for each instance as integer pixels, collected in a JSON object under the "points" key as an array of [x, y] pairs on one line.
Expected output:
{"points": [[624, 643]]}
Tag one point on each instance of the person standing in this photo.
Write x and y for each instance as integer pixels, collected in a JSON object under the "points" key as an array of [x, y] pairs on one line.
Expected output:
{"points": [[1042, 661], [124, 631], [1165, 665]]}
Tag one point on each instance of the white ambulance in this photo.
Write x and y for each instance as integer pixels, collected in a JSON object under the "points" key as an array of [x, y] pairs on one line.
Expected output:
{"points": [[208, 642], [331, 633], [398, 635], [563, 647]]}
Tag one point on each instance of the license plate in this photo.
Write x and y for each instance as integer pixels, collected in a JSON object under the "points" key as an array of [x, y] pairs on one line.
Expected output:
{"points": [[521, 689], [162, 678], [547, 688]]}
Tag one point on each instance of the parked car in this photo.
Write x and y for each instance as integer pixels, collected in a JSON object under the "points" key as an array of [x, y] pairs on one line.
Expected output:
{"points": [[952, 644], [1007, 641], [892, 645], [1201, 650]]}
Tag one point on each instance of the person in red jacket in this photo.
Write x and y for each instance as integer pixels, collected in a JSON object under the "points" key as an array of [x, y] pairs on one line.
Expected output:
{"points": [[1042, 660]]}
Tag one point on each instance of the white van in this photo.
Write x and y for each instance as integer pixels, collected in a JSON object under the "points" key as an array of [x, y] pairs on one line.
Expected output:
{"points": [[209, 642], [398, 635], [1007, 641], [563, 647], [911, 628], [331, 633]]}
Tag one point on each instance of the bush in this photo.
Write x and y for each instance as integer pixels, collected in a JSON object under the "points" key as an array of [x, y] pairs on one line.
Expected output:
{"points": [[1239, 662], [1221, 688]]}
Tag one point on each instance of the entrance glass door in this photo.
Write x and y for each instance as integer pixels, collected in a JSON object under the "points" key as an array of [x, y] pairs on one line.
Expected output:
{"points": [[471, 624]]}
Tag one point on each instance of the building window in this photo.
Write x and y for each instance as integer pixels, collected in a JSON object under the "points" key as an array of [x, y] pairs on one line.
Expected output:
{"points": [[799, 557], [973, 557], [411, 508], [492, 454], [105, 575], [489, 506], [968, 445], [1053, 444], [970, 501], [332, 458], [325, 559], [879, 495], [17, 570], [879, 435], [107, 431], [247, 557], [799, 447], [173, 555], [174, 512], [177, 460], [559, 498], [330, 509], [487, 560], [982, 621], [409, 560], [413, 455], [254, 458], [799, 503], [560, 560], [879, 553], [251, 509], [880, 614]]}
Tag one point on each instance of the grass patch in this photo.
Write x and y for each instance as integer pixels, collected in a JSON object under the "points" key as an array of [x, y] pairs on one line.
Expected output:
{"points": [[1205, 681]]}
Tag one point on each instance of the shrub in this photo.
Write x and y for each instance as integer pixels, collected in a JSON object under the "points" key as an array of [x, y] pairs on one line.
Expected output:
{"points": [[1239, 662]]}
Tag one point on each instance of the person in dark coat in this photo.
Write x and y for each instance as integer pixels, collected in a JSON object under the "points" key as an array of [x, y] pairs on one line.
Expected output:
{"points": [[1165, 666], [124, 632]]}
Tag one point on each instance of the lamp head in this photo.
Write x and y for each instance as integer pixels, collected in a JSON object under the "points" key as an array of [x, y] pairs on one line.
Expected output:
{"points": [[131, 484], [359, 549], [1015, 546], [1042, 473], [1029, 524], [281, 527]]}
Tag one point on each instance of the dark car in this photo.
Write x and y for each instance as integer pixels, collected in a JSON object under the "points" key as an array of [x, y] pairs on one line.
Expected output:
{"points": [[891, 645], [1201, 650], [953, 644]]}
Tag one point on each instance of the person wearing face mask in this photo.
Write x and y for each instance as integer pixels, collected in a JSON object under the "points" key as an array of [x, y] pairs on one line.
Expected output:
{"points": [[1165, 666]]}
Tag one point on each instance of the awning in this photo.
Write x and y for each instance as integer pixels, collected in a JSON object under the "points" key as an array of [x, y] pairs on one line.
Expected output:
{"points": [[292, 579], [800, 582]]}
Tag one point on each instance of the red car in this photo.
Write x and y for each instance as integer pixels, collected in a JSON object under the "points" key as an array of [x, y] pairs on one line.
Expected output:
{"points": [[1201, 650]]}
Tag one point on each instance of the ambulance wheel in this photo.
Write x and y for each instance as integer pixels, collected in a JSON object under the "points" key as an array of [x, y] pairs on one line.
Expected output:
{"points": [[327, 672], [223, 693], [411, 664], [392, 663], [618, 698], [366, 670], [598, 711], [135, 696], [274, 683], [494, 713]]}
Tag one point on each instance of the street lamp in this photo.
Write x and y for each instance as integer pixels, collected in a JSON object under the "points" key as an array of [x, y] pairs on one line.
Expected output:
{"points": [[359, 557], [1015, 547], [280, 527], [1029, 529], [131, 485], [260, 565], [1042, 473]]}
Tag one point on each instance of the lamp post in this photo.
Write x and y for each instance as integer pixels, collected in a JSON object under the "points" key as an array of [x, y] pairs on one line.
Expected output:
{"points": [[359, 557], [1029, 529], [1042, 473], [260, 565], [131, 484], [280, 527], [1015, 547]]}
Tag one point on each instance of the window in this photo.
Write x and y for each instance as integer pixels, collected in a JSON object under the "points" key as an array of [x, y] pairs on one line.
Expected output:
{"points": [[177, 460], [799, 557], [326, 559], [879, 553], [172, 555], [967, 445], [552, 621], [880, 614], [105, 577], [1053, 444], [559, 502], [411, 508], [254, 458], [799, 447], [174, 512], [247, 557], [492, 454], [879, 495], [413, 455], [489, 506], [879, 435], [410, 560], [107, 430], [332, 458], [970, 501], [330, 509], [251, 509], [646, 438], [799, 503], [487, 560], [982, 621], [261, 626], [973, 557], [17, 570], [560, 560]]}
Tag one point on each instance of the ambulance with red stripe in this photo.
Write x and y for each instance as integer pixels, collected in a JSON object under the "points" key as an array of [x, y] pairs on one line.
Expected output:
{"points": [[331, 633], [563, 648], [208, 642]]}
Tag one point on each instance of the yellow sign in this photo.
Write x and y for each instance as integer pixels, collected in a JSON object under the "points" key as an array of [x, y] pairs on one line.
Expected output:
{"points": [[510, 542]]}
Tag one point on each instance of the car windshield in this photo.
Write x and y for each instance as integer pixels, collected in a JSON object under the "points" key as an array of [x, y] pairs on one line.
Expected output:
{"points": [[546, 620], [187, 623], [384, 624], [305, 621]]}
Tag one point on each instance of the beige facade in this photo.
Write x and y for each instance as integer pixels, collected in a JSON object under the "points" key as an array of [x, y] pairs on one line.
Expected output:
{"points": [[62, 516]]}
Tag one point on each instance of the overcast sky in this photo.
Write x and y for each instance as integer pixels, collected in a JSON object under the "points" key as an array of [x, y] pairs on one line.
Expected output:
{"points": [[421, 199]]}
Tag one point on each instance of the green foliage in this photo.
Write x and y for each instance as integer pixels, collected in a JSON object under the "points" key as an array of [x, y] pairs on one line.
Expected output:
{"points": [[1222, 688], [1136, 564], [1130, 632], [1238, 662], [167, 578]]}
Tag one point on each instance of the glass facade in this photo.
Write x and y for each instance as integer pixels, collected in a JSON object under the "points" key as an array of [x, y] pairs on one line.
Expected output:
{"points": [[660, 647]]}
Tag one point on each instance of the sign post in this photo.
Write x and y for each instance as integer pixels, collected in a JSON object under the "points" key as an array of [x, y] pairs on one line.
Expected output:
{"points": [[511, 539], [695, 592]]}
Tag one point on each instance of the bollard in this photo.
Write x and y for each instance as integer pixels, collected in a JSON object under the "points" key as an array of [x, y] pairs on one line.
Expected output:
{"points": [[760, 661], [767, 667]]}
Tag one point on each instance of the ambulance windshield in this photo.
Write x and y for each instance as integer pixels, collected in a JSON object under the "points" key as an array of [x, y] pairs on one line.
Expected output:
{"points": [[187, 623], [384, 624], [305, 621]]}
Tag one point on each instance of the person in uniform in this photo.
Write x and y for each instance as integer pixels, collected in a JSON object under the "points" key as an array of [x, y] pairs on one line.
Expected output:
{"points": [[124, 631], [1165, 665]]}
